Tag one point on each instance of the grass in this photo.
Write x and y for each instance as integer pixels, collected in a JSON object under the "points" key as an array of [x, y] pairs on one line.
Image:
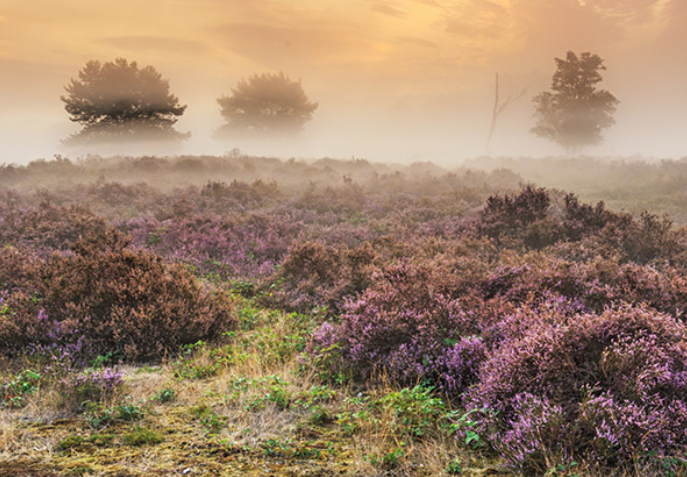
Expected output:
{"points": [[257, 413], [256, 409]]}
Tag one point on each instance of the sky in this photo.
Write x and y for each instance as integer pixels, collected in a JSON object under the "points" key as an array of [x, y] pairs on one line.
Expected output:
{"points": [[397, 80]]}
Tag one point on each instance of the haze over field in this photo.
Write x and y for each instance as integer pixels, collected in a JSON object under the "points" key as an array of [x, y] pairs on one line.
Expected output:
{"points": [[400, 80]]}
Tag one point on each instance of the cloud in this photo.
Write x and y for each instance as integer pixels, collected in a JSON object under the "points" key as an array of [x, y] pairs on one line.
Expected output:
{"points": [[278, 46], [387, 10], [153, 44], [627, 11], [477, 18], [413, 41]]}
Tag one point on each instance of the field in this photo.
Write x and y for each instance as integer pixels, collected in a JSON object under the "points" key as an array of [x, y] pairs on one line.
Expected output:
{"points": [[240, 315]]}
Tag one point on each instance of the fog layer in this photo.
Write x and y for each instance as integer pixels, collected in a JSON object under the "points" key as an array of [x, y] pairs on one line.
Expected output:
{"points": [[403, 81]]}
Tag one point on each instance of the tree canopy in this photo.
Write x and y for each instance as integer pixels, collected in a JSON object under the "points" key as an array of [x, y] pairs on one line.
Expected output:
{"points": [[266, 103], [117, 100], [576, 113]]}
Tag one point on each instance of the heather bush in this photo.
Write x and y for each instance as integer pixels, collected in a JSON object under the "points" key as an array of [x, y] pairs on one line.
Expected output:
{"points": [[315, 275], [90, 385], [581, 220], [48, 227], [404, 326], [245, 246], [103, 297], [129, 300], [522, 216], [605, 389]]}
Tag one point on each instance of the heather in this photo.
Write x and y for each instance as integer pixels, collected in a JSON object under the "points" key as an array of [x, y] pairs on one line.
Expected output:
{"points": [[409, 319], [100, 296]]}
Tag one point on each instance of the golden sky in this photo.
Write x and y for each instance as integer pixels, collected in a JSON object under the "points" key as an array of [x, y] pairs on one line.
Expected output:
{"points": [[399, 79]]}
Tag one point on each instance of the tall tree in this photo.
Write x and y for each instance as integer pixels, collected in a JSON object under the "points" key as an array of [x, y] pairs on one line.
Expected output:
{"points": [[117, 100], [266, 103], [576, 113]]}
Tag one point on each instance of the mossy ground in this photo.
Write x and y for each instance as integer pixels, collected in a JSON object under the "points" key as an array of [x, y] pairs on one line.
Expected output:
{"points": [[243, 407]]}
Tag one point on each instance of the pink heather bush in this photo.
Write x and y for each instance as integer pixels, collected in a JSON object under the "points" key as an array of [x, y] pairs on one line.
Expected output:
{"points": [[403, 326], [102, 297], [91, 385], [315, 275], [604, 389], [245, 246]]}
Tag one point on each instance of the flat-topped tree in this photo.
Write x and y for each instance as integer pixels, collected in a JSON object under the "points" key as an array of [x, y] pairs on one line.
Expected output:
{"points": [[576, 113], [118, 101], [266, 104]]}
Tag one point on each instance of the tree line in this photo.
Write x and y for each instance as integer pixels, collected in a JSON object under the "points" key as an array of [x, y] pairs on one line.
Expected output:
{"points": [[119, 101]]}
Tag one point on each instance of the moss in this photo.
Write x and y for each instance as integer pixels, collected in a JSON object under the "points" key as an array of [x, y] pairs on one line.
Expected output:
{"points": [[140, 436]]}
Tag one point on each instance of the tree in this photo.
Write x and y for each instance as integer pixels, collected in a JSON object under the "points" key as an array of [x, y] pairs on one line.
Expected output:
{"points": [[575, 114], [117, 100], [498, 108], [266, 103]]}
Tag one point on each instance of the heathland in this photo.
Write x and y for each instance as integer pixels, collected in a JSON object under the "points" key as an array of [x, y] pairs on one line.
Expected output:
{"points": [[241, 315]]}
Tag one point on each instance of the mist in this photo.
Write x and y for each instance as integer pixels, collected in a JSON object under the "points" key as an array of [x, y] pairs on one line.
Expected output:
{"points": [[413, 83]]}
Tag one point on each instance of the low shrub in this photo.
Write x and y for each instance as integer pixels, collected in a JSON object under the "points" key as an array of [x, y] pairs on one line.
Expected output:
{"points": [[316, 275], [103, 297], [605, 389], [402, 325], [90, 385]]}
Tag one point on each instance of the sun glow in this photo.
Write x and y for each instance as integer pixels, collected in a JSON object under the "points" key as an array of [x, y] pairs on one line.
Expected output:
{"points": [[431, 59]]}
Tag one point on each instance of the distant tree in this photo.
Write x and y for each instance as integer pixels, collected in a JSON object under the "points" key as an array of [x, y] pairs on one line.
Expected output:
{"points": [[266, 103], [117, 100], [575, 114], [499, 106]]}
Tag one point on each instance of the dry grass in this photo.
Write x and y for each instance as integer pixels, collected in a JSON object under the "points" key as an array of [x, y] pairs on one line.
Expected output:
{"points": [[240, 408]]}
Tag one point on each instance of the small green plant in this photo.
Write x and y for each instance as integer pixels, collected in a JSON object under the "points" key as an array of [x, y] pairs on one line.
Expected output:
{"points": [[412, 411], [454, 467], [164, 395], [463, 425], [279, 396], [97, 415], [351, 420], [315, 395], [561, 470], [392, 458], [128, 412], [273, 447], [140, 436], [192, 366], [388, 460], [208, 419], [213, 423], [276, 393], [24, 383], [107, 359]]}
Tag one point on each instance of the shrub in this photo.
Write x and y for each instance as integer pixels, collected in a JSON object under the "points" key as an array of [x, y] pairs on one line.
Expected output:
{"points": [[606, 389], [234, 246], [48, 227], [522, 215], [105, 297], [90, 385], [317, 275], [406, 327]]}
